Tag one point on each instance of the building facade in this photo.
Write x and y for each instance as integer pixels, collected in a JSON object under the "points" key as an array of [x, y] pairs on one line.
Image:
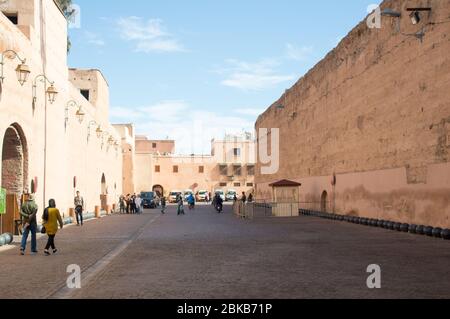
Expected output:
{"points": [[367, 130], [45, 148], [231, 166]]}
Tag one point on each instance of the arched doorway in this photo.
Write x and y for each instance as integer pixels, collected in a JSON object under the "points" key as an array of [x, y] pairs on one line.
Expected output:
{"points": [[104, 188], [14, 173], [159, 190], [104, 193], [324, 202]]}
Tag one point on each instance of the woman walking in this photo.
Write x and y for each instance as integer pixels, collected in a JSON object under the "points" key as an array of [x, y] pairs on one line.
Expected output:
{"points": [[51, 218]]}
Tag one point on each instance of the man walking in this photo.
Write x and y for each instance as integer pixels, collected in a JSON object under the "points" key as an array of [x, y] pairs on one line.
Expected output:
{"points": [[180, 210], [163, 205], [79, 208], [28, 213], [244, 198]]}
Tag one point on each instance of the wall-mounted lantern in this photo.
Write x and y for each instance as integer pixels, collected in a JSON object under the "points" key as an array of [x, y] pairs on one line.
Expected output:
{"points": [[22, 70], [79, 114], [51, 91]]}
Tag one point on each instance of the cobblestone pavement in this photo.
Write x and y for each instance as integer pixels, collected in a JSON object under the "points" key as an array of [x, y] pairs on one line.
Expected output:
{"points": [[206, 255]]}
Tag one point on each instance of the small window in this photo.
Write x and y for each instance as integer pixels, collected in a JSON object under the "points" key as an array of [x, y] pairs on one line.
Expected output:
{"points": [[249, 184], [223, 184], [175, 169], [13, 17], [201, 169], [85, 93], [154, 145], [237, 184], [223, 170], [237, 152], [237, 171], [157, 169]]}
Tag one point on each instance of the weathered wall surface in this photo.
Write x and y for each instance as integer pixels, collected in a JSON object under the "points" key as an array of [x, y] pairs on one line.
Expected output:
{"points": [[69, 151], [376, 111], [189, 175], [162, 147]]}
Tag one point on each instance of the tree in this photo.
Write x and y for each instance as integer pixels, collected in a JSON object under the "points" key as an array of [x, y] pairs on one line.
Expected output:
{"points": [[69, 13], [66, 7]]}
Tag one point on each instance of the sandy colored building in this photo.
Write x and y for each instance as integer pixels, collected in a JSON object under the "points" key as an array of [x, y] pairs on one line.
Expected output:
{"points": [[229, 167], [367, 130], [45, 148]]}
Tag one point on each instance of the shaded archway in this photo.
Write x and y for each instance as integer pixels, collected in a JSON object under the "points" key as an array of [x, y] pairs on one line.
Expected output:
{"points": [[14, 173], [103, 183], [159, 190], [104, 193], [324, 202]]}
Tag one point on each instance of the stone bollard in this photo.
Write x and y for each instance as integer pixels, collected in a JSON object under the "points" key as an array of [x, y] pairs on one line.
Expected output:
{"points": [[72, 212], [108, 210], [97, 212], [114, 207]]}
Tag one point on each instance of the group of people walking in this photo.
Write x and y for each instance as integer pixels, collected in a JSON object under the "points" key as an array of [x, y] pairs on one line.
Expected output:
{"points": [[131, 204], [51, 222]]}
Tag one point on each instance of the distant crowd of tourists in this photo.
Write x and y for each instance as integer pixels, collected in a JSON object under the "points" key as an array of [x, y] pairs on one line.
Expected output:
{"points": [[131, 204]]}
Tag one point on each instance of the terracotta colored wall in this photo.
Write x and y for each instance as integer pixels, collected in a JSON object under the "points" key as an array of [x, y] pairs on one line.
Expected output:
{"points": [[162, 147], [375, 110], [188, 175], [69, 151]]}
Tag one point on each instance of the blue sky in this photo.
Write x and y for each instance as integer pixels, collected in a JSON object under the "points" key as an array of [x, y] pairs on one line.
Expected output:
{"points": [[193, 70]]}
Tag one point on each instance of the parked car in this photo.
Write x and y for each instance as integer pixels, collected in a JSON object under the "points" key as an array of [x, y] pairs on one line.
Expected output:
{"points": [[201, 196], [173, 196], [149, 200], [230, 195]]}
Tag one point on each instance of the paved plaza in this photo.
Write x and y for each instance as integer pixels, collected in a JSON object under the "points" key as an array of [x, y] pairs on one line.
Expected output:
{"points": [[206, 255]]}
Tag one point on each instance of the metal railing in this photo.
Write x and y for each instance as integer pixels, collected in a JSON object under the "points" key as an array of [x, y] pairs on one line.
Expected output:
{"points": [[281, 209]]}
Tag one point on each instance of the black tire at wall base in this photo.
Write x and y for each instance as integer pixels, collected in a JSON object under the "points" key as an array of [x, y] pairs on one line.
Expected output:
{"points": [[420, 230], [412, 229], [437, 232], [404, 228], [6, 239], [445, 234], [428, 231], [397, 226]]}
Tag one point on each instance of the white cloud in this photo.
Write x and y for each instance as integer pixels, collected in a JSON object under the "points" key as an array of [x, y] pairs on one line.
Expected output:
{"points": [[94, 39], [298, 53], [250, 111], [191, 129], [253, 76], [149, 36]]}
